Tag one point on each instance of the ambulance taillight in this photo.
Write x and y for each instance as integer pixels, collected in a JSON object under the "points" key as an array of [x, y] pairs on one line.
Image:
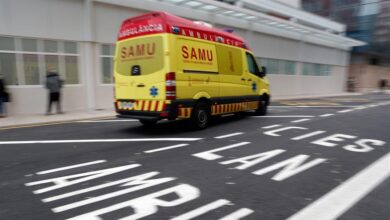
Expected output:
{"points": [[170, 86]]}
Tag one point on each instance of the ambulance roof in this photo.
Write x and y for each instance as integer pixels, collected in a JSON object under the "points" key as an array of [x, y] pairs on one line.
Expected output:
{"points": [[162, 22]]}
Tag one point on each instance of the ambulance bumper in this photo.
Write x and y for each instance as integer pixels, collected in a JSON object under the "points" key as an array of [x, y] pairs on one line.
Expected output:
{"points": [[152, 116]]}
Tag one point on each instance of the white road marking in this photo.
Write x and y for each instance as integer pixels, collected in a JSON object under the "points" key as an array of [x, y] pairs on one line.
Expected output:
{"points": [[284, 116], [326, 115], [229, 135], [340, 199], [70, 167], [345, 111], [360, 108], [147, 205], [239, 214], [373, 106], [165, 148], [202, 210], [300, 120], [102, 121], [307, 135], [136, 183], [209, 155], [97, 140], [271, 126]]}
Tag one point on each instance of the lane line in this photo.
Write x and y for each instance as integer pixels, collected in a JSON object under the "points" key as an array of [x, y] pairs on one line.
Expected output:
{"points": [[271, 126], [105, 121], [70, 167], [326, 115], [202, 210], [300, 120], [98, 140], [307, 135], [239, 214], [284, 116], [346, 195], [372, 105], [345, 111], [229, 135], [360, 108], [165, 148]]}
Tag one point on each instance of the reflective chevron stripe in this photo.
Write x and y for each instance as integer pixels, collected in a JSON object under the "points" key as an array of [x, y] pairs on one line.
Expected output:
{"points": [[234, 107], [185, 112]]}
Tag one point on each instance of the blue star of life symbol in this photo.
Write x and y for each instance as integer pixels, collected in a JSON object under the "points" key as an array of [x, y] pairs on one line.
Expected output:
{"points": [[254, 86], [153, 91]]}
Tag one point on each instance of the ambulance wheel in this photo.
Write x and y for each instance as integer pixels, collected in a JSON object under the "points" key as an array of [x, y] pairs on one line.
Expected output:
{"points": [[148, 123], [200, 117], [263, 106]]}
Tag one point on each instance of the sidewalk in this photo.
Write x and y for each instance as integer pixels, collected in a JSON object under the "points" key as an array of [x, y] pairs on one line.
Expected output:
{"points": [[29, 120]]}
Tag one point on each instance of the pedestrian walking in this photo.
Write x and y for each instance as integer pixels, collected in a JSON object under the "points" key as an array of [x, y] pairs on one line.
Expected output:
{"points": [[53, 85], [382, 84], [4, 97]]}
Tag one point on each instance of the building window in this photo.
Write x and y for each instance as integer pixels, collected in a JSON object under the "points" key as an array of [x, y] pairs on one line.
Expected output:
{"points": [[272, 66], [314, 69], [8, 68], [71, 70], [29, 45], [106, 59], [50, 46], [7, 43], [51, 62], [31, 69], [287, 67], [25, 61]]}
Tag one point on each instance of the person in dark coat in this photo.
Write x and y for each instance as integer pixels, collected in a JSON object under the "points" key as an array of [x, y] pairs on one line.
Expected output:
{"points": [[54, 85], [3, 98]]}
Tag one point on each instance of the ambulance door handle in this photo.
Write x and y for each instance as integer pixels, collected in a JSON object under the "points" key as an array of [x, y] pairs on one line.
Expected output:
{"points": [[243, 79], [249, 79], [140, 85]]}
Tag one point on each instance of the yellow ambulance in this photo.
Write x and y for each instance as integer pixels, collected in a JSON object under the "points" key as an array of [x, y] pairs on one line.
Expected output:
{"points": [[167, 67]]}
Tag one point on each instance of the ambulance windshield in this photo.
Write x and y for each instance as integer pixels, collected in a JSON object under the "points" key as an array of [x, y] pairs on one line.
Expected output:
{"points": [[140, 56]]}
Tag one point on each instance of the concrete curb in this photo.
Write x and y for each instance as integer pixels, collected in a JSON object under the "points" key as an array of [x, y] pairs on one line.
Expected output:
{"points": [[50, 121]]}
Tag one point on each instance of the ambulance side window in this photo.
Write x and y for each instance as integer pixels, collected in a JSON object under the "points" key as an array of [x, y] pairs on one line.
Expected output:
{"points": [[252, 66]]}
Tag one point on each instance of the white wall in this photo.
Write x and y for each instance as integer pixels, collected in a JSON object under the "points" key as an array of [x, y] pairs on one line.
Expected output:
{"points": [[107, 20], [285, 86], [33, 99], [55, 19]]}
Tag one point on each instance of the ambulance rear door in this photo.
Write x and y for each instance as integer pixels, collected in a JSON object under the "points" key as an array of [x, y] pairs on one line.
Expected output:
{"points": [[140, 68]]}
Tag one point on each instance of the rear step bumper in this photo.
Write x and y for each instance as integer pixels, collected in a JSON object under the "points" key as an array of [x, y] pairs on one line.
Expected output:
{"points": [[152, 116]]}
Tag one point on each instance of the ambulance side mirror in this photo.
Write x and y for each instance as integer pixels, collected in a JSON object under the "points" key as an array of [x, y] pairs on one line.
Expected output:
{"points": [[263, 71]]}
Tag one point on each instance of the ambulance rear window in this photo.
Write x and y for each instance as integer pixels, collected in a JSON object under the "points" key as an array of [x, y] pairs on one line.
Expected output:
{"points": [[140, 56]]}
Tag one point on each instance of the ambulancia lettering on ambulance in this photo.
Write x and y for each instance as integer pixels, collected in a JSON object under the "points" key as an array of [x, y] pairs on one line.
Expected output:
{"points": [[138, 51], [141, 29], [208, 36]]}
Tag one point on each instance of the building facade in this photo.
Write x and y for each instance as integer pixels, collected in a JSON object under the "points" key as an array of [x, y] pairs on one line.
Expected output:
{"points": [[368, 21], [305, 54]]}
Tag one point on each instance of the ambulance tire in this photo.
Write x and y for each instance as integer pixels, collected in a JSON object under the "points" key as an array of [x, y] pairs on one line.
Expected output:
{"points": [[263, 106], [148, 123], [200, 117]]}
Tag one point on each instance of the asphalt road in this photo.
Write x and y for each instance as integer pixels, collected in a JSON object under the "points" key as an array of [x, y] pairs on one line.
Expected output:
{"points": [[309, 159]]}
